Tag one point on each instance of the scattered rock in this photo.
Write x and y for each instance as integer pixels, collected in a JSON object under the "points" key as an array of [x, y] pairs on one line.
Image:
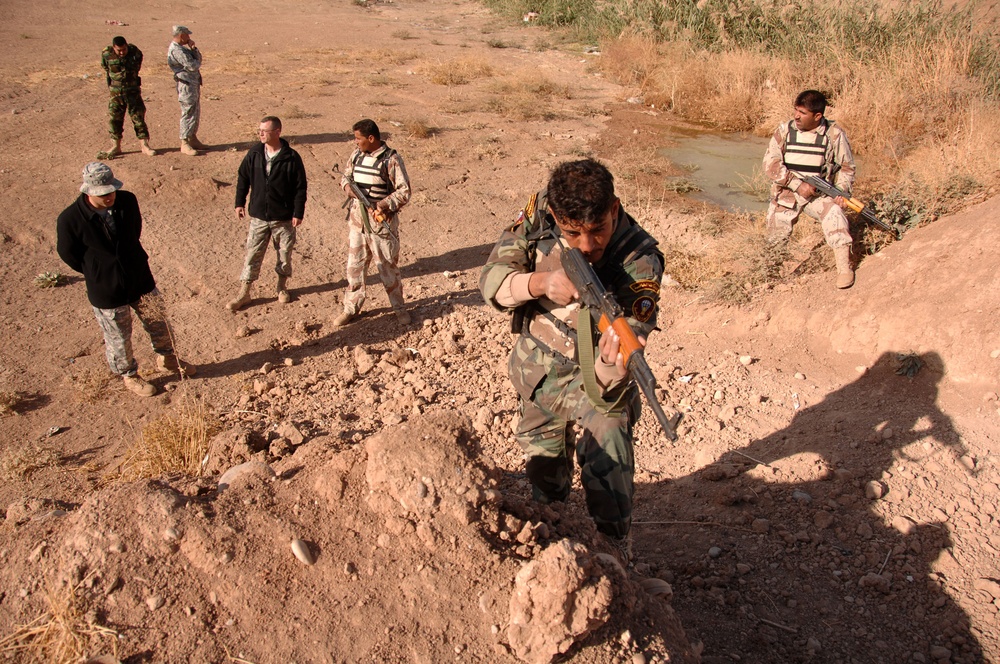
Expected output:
{"points": [[245, 470], [903, 524], [874, 490], [154, 602], [302, 552], [746, 360], [760, 525]]}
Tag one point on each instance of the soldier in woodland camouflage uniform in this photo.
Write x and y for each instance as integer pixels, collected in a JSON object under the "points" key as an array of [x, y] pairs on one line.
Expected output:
{"points": [[121, 63], [809, 144], [379, 172], [524, 275]]}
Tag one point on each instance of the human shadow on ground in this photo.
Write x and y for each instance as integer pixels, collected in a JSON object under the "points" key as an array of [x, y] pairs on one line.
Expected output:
{"points": [[373, 326], [781, 552]]}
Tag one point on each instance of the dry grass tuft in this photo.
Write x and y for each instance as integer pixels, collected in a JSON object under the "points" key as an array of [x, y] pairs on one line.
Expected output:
{"points": [[175, 442], [90, 384], [9, 401], [293, 112], [403, 34], [418, 128], [50, 279], [22, 462], [459, 71], [688, 269], [63, 634]]}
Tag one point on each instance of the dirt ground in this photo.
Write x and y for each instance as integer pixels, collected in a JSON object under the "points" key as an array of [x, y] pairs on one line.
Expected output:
{"points": [[819, 506]]}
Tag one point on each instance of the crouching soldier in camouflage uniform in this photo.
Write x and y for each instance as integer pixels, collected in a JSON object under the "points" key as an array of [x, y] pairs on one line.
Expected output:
{"points": [[121, 63], [379, 172], [98, 235], [809, 144], [524, 275]]}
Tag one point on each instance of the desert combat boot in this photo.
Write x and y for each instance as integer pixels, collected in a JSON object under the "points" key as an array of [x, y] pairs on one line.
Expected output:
{"points": [[136, 384], [845, 275], [146, 150], [195, 143], [187, 148], [175, 365], [242, 299], [284, 297]]}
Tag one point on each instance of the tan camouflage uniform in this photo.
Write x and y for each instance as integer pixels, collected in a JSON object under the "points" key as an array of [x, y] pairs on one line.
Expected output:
{"points": [[786, 205], [382, 243], [545, 372], [125, 91]]}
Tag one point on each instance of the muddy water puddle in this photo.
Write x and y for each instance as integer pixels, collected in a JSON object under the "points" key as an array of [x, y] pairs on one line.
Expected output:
{"points": [[721, 169]]}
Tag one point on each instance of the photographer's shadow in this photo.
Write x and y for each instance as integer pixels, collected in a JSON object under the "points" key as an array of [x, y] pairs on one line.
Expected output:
{"points": [[833, 537]]}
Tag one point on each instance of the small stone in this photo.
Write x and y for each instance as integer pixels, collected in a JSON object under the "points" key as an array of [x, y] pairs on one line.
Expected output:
{"points": [[289, 362], [302, 552], [242, 331], [874, 490], [719, 395], [714, 552], [940, 652], [746, 360], [266, 368], [350, 569], [760, 525], [887, 433], [639, 658], [904, 525], [799, 376], [171, 534], [995, 354], [919, 657], [626, 639], [968, 462], [823, 519], [813, 644], [727, 413], [154, 602], [801, 497], [843, 475]]}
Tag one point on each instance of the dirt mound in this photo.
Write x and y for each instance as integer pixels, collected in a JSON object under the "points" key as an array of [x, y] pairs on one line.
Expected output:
{"points": [[408, 532]]}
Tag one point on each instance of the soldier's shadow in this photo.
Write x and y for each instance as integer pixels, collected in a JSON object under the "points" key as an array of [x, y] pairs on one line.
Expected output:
{"points": [[808, 566]]}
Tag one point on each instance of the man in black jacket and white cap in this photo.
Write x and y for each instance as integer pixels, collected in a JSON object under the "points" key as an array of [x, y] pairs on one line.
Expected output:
{"points": [[98, 235], [274, 176]]}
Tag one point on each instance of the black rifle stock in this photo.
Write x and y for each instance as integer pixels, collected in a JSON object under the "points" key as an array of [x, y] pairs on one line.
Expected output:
{"points": [[827, 189], [608, 313]]}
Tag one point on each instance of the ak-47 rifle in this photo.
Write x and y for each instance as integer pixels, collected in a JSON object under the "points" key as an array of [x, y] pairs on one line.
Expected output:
{"points": [[866, 213], [366, 205], [608, 313]]}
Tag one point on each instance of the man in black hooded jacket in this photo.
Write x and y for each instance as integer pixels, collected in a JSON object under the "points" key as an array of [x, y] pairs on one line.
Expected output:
{"points": [[98, 235], [274, 176]]}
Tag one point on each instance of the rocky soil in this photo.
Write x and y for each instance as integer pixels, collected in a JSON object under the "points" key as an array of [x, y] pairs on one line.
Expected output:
{"points": [[832, 496]]}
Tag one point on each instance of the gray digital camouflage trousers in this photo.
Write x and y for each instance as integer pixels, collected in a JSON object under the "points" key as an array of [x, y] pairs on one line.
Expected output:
{"points": [[116, 324], [546, 433], [281, 234], [189, 97], [362, 249], [836, 230]]}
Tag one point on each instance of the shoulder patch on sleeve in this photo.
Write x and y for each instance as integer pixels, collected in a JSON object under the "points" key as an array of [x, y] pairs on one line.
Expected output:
{"points": [[643, 308], [529, 209], [517, 222], [645, 285]]}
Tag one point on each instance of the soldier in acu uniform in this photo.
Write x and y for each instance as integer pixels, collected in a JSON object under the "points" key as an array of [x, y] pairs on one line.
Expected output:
{"points": [[121, 63], [524, 275], [806, 145], [379, 172]]}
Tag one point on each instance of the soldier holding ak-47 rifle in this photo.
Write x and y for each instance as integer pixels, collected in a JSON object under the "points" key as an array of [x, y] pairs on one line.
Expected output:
{"points": [[811, 145], [565, 378]]}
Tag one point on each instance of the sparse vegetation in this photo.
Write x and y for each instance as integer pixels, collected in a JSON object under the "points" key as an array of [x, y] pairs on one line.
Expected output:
{"points": [[403, 34], [496, 43], [63, 634], [418, 128], [21, 462], [293, 112], [90, 384], [9, 402], [50, 279], [459, 71], [176, 442]]}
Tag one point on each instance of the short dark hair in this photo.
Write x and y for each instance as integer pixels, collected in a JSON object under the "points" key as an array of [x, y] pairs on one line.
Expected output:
{"points": [[367, 128], [813, 100], [119, 41], [581, 192], [275, 122]]}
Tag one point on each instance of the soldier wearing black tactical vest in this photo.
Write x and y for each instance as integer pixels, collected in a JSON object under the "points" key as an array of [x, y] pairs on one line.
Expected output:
{"points": [[121, 62], [810, 144]]}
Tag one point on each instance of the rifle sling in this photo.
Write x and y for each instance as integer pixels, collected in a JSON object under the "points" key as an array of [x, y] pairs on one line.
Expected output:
{"points": [[585, 351]]}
